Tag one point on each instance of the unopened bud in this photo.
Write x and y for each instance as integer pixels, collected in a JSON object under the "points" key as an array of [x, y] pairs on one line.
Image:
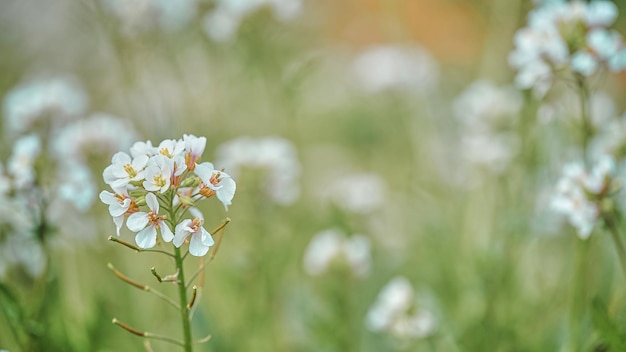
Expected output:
{"points": [[186, 200], [190, 182]]}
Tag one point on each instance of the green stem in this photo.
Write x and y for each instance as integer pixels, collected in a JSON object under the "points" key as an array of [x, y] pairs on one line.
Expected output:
{"points": [[587, 128], [578, 295], [617, 238], [182, 293]]}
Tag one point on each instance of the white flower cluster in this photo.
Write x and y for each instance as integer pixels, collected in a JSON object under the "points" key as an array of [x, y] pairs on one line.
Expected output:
{"points": [[332, 245], [393, 66], [58, 98], [277, 156], [19, 215], [566, 36], [137, 16], [579, 194], [52, 108], [167, 180], [397, 311], [488, 115], [360, 193], [223, 22]]}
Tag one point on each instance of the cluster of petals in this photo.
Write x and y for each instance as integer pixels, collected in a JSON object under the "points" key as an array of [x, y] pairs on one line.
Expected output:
{"points": [[154, 176], [398, 312], [563, 36], [488, 115], [332, 245], [277, 156], [579, 193]]}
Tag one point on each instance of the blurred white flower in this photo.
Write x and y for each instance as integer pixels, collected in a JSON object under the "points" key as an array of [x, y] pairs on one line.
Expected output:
{"points": [[138, 16], [76, 185], [579, 193], [19, 247], [58, 99], [331, 245], [360, 193], [98, 134], [222, 23], [488, 115], [397, 311], [22, 161], [277, 156], [564, 35], [394, 66]]}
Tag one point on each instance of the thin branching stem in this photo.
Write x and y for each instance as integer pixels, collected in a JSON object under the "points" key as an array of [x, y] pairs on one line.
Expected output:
{"points": [[137, 249], [142, 286], [146, 334]]}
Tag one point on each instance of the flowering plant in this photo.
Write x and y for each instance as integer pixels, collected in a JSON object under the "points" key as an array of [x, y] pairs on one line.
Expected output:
{"points": [[155, 190]]}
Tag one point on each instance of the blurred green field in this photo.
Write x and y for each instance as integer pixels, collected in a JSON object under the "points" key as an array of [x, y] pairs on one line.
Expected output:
{"points": [[496, 269]]}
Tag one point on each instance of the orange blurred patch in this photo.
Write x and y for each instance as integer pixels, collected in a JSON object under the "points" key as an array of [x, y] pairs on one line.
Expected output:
{"points": [[453, 32]]}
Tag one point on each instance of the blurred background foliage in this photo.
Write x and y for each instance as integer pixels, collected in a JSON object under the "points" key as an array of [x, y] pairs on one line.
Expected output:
{"points": [[496, 269]]}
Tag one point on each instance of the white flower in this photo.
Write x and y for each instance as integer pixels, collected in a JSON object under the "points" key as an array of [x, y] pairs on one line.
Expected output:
{"points": [[360, 193], [216, 182], [194, 147], [96, 134], [147, 224], [143, 148], [171, 148], [277, 156], [77, 185], [330, 245], [119, 205], [565, 35], [21, 164], [398, 312], [124, 170], [158, 174], [393, 66], [579, 193], [201, 239], [59, 97], [223, 22]]}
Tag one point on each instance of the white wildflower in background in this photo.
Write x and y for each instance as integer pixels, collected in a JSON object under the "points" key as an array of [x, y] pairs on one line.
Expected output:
{"points": [[611, 138], [21, 164], [395, 66], [277, 156], [155, 188], [488, 115], [137, 16], [398, 312], [360, 193], [222, 23], [332, 245], [566, 37], [100, 134], [56, 100], [579, 193]]}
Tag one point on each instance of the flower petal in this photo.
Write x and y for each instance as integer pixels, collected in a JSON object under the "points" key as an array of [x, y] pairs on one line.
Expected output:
{"points": [[152, 202], [166, 233], [196, 247], [137, 221], [146, 238]]}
